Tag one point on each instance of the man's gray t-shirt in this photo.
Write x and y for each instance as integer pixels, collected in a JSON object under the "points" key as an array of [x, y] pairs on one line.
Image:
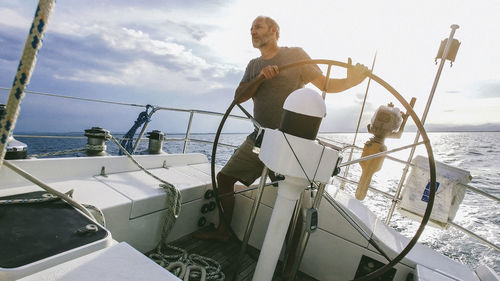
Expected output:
{"points": [[272, 93]]}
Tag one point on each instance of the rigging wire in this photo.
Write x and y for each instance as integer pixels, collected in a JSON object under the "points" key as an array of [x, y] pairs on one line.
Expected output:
{"points": [[77, 98]]}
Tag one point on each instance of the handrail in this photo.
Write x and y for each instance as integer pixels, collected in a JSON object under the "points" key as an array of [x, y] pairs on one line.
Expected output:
{"points": [[467, 186], [481, 192], [191, 116], [452, 223], [201, 111], [470, 233], [380, 154], [385, 194], [188, 131]]}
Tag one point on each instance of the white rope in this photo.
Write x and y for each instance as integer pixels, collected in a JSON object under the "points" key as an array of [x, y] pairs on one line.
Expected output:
{"points": [[174, 198], [24, 70], [98, 214], [196, 267], [46, 197], [43, 185]]}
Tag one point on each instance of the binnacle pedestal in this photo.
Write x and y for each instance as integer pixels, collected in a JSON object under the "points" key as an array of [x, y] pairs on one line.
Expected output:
{"points": [[294, 153], [316, 163]]}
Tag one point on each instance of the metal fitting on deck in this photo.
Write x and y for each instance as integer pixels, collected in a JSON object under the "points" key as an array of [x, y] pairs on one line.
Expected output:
{"points": [[155, 142], [96, 141]]}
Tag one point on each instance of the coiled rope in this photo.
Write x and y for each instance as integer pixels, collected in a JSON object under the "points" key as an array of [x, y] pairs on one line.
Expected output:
{"points": [[173, 195], [49, 197], [45, 186], [192, 267], [24, 71], [45, 197], [128, 138], [187, 267]]}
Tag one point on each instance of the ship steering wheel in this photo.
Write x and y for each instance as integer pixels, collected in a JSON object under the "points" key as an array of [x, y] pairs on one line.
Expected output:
{"points": [[432, 167]]}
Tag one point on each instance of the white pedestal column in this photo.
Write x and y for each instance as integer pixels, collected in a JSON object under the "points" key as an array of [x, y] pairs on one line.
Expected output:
{"points": [[289, 192]]}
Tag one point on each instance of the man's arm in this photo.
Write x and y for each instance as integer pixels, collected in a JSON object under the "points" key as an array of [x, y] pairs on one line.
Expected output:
{"points": [[246, 90], [355, 75]]}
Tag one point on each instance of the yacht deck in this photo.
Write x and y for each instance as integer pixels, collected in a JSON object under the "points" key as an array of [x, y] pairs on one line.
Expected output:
{"points": [[226, 253]]}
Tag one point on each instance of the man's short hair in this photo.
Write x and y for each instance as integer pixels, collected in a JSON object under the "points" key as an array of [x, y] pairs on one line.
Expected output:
{"points": [[272, 23]]}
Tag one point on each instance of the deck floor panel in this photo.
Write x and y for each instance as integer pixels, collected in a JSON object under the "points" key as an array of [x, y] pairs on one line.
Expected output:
{"points": [[226, 253]]}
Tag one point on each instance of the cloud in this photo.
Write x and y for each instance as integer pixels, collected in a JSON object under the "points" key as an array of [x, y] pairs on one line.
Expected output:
{"points": [[139, 73], [12, 18], [169, 51], [135, 40], [11, 42], [489, 89], [128, 57]]}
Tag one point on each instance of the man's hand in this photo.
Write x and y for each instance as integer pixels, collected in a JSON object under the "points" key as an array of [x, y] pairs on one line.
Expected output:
{"points": [[356, 74], [269, 71]]}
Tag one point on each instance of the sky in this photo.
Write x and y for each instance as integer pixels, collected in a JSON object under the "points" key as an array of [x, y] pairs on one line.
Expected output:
{"points": [[192, 54]]}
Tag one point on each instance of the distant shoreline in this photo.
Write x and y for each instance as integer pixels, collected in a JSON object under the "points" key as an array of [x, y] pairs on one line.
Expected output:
{"points": [[231, 133]]}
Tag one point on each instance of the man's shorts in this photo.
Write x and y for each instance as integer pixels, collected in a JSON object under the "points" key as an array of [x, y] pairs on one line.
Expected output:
{"points": [[244, 164]]}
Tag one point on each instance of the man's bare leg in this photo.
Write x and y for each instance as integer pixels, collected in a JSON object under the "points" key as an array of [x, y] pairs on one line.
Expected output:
{"points": [[225, 189]]}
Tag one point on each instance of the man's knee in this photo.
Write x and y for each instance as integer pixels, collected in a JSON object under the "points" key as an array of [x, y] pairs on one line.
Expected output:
{"points": [[225, 182]]}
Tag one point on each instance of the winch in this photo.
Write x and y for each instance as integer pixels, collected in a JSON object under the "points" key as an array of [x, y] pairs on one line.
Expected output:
{"points": [[96, 141], [156, 139]]}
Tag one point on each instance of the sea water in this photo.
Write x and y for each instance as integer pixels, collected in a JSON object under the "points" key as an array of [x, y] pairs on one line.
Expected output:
{"points": [[476, 152]]}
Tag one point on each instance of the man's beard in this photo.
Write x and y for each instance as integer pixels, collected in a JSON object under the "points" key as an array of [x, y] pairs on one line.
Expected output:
{"points": [[262, 40]]}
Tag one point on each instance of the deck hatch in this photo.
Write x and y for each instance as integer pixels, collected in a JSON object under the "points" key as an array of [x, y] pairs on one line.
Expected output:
{"points": [[30, 232]]}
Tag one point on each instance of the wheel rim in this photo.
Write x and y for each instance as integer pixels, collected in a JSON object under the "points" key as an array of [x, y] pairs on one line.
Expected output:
{"points": [[432, 168]]}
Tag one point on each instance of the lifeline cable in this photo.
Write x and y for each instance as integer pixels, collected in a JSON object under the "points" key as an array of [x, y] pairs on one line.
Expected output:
{"points": [[24, 71]]}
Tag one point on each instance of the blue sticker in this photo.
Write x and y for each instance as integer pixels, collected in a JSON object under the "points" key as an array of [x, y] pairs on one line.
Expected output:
{"points": [[427, 191]]}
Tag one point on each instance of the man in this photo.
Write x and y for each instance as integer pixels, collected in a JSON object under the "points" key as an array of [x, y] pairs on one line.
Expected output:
{"points": [[268, 95]]}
